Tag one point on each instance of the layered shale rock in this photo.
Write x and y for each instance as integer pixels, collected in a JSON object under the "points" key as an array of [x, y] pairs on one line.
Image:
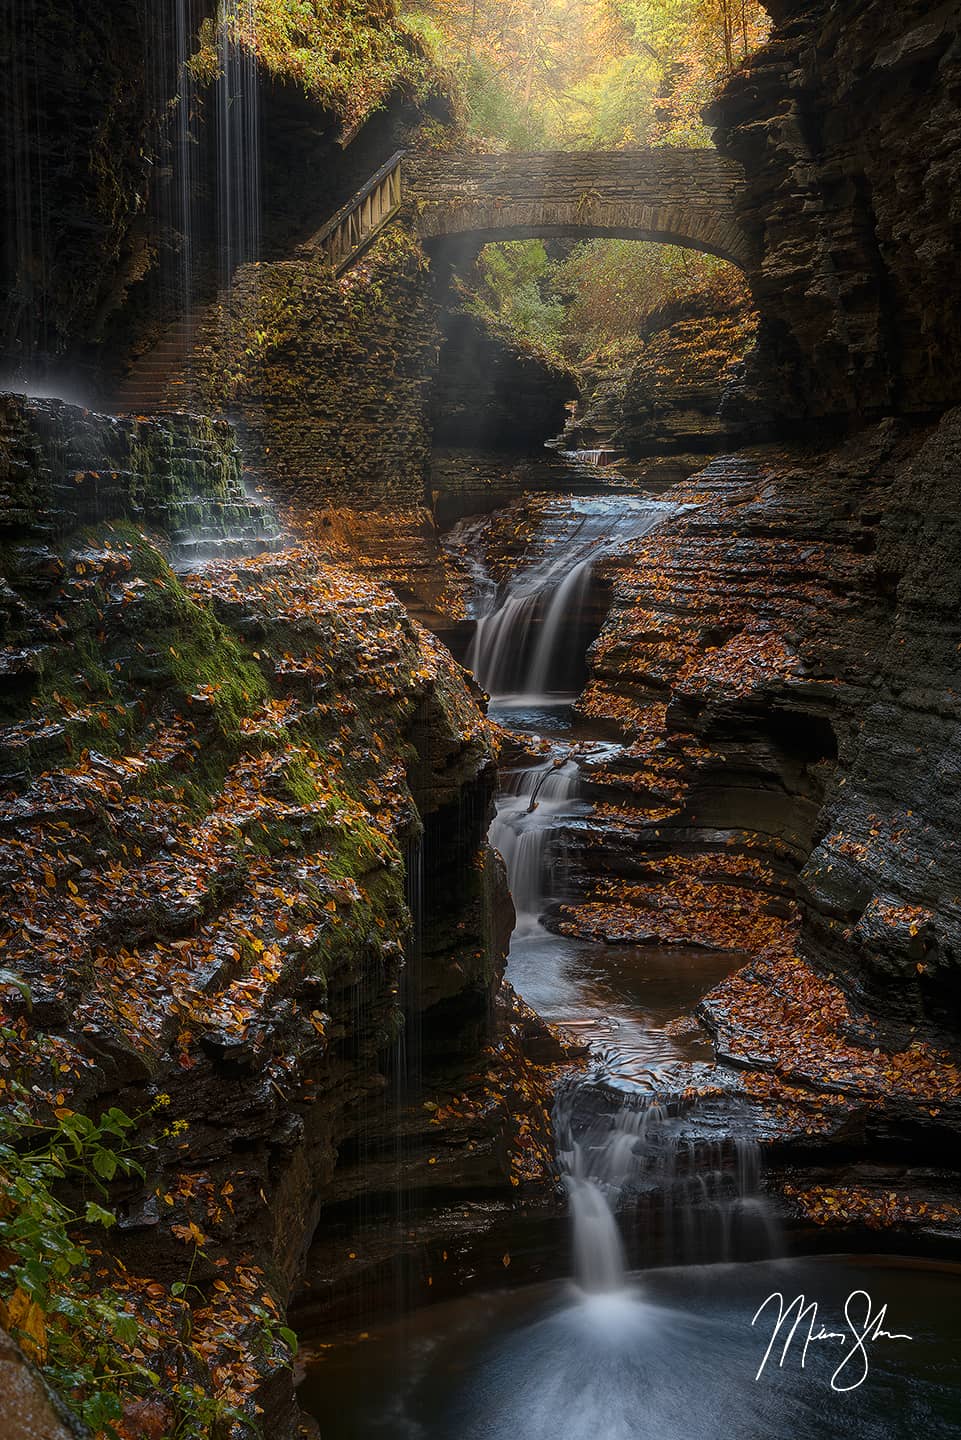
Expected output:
{"points": [[670, 395], [65, 468], [781, 658], [846, 125], [242, 844]]}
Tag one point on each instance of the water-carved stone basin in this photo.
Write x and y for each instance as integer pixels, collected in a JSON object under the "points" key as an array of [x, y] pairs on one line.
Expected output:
{"points": [[673, 1357]]}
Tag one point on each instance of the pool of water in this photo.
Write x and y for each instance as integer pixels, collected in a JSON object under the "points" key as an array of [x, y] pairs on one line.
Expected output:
{"points": [[622, 1001], [673, 1357]]}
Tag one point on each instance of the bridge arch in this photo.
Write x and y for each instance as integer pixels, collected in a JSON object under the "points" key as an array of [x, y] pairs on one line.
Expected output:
{"points": [[674, 197]]}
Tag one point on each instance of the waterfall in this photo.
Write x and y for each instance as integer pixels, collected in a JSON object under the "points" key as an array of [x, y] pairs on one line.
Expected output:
{"points": [[238, 138], [524, 828], [522, 648], [661, 1157], [603, 455], [698, 1196], [183, 145], [599, 1264]]}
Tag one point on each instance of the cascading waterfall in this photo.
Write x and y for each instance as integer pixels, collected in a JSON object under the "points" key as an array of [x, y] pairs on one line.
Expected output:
{"points": [[515, 649], [183, 145], [238, 138], [602, 455], [529, 809], [662, 1173], [174, 192], [696, 1198], [522, 649]]}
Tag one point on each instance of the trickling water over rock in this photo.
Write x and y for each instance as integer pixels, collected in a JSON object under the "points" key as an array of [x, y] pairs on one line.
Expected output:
{"points": [[684, 1173], [529, 640], [62, 468], [686, 1177], [531, 804]]}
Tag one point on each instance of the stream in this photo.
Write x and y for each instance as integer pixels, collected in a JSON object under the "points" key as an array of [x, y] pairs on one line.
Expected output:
{"points": [[674, 1245]]}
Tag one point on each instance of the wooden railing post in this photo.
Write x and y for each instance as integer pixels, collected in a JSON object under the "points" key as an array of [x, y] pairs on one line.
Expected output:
{"points": [[346, 236]]}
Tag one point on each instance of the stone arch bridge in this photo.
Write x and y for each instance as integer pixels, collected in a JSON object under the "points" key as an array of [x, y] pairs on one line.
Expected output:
{"points": [[675, 197]]}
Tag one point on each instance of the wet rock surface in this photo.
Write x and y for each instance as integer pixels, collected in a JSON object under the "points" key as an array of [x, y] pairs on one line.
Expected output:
{"points": [[63, 468], [331, 377], [27, 1410], [445, 1182], [674, 391], [788, 757], [846, 126], [243, 844]]}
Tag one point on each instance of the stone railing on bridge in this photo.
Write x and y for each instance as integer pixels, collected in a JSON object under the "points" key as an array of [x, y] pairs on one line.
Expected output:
{"points": [[674, 197], [679, 197]]}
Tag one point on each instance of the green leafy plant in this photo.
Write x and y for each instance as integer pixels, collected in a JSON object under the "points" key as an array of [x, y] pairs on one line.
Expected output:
{"points": [[79, 1334], [346, 54], [96, 1343]]}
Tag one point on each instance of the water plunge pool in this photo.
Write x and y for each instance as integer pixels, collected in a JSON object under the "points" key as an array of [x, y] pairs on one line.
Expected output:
{"points": [[673, 1356]]}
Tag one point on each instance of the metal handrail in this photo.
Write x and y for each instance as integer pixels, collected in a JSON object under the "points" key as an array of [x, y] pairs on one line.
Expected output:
{"points": [[348, 233]]}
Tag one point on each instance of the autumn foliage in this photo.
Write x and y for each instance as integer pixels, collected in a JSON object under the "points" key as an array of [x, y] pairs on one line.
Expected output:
{"points": [[202, 852]]}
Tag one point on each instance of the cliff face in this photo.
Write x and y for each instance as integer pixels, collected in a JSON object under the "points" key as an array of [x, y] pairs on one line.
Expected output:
{"points": [[782, 659], [242, 820], [884, 879], [672, 397], [784, 655], [80, 119], [846, 125], [491, 393]]}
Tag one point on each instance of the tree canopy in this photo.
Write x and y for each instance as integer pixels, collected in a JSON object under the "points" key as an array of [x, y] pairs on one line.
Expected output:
{"points": [[596, 298], [565, 74], [587, 74]]}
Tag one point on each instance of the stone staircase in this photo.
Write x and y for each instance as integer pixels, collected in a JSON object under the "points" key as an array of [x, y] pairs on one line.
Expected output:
{"points": [[159, 382], [178, 476]]}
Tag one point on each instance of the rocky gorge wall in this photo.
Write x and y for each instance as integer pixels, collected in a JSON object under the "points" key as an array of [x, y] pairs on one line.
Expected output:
{"points": [[219, 788], [344, 387], [846, 125], [781, 658], [228, 800], [669, 394], [491, 392]]}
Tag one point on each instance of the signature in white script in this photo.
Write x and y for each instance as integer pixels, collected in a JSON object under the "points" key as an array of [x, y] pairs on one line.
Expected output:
{"points": [[798, 1319]]}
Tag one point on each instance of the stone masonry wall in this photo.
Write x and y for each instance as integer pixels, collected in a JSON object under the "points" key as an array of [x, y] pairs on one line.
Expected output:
{"points": [[330, 375]]}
